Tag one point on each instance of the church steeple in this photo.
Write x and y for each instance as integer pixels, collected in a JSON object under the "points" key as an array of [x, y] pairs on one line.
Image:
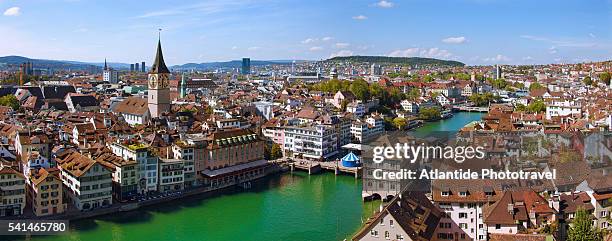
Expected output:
{"points": [[105, 66], [158, 65]]}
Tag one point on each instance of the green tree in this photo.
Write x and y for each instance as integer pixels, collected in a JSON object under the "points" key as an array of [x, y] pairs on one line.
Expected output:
{"points": [[429, 114], [587, 80], [361, 89], [536, 106], [582, 228], [399, 123], [275, 152], [520, 107], [499, 83], [535, 86], [413, 94], [10, 101], [605, 78]]}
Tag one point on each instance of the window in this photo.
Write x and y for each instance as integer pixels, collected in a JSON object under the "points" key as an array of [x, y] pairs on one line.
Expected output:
{"points": [[462, 194], [445, 193], [387, 235], [399, 237], [463, 225], [497, 226], [462, 215], [391, 222], [462, 236]]}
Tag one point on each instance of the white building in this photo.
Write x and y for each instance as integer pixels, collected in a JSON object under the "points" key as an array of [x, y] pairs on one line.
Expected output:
{"points": [[410, 106], [88, 183], [311, 141], [12, 192], [147, 164]]}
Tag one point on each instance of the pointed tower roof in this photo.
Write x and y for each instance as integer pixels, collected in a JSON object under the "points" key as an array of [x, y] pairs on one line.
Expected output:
{"points": [[158, 65], [105, 66]]}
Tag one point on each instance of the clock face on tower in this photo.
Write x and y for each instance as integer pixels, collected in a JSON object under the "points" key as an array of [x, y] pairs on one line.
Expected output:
{"points": [[153, 81], [163, 81]]}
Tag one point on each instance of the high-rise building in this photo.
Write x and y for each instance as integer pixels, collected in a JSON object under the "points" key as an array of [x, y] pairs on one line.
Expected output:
{"points": [[159, 91], [246, 66], [131, 67], [498, 72], [137, 67], [109, 74], [375, 69], [142, 65]]}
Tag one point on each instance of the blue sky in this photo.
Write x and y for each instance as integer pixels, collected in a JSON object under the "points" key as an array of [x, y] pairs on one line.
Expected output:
{"points": [[471, 31]]}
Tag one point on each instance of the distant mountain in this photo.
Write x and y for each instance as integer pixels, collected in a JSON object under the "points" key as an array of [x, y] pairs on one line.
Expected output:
{"points": [[45, 63], [230, 64], [397, 60]]}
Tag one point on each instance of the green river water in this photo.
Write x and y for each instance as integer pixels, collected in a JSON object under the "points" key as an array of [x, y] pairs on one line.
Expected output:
{"points": [[282, 207]]}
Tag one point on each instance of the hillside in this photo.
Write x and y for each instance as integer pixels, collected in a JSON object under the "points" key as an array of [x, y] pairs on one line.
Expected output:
{"points": [[228, 64], [44, 63], [397, 60]]}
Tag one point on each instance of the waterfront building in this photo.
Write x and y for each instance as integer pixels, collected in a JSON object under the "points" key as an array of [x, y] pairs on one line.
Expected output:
{"points": [[410, 106], [186, 153], [12, 192], [109, 75], [311, 141], [408, 216], [233, 156], [88, 183], [125, 178], [147, 170], [45, 192], [172, 175], [159, 89], [517, 211]]}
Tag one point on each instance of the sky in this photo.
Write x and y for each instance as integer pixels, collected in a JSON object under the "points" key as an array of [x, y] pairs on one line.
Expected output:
{"points": [[476, 32]]}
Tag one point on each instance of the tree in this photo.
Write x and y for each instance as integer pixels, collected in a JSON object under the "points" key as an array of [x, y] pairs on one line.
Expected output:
{"points": [[536, 106], [360, 89], [582, 228], [275, 152], [413, 94], [10, 101], [399, 122], [535, 86], [483, 99], [520, 107], [429, 114], [587, 80], [499, 83], [605, 78]]}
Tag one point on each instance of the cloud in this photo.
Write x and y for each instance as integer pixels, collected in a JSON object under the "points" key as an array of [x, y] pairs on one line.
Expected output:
{"points": [[552, 50], [592, 35], [360, 17], [160, 13], [342, 45], [316, 48], [202, 8], [497, 58], [422, 52], [327, 38], [384, 4], [234, 47], [455, 40], [309, 40], [527, 58], [254, 48], [14, 11], [341, 53]]}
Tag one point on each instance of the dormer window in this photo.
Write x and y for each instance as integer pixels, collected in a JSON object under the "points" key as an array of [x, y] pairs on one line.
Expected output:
{"points": [[445, 193], [463, 193]]}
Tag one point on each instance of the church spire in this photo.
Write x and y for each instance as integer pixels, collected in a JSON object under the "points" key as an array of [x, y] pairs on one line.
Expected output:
{"points": [[105, 66], [159, 66]]}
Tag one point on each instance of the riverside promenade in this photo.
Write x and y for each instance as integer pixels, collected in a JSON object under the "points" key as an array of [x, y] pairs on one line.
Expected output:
{"points": [[314, 167], [204, 192]]}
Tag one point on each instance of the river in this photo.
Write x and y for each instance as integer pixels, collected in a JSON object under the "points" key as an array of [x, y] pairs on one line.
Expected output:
{"points": [[282, 207]]}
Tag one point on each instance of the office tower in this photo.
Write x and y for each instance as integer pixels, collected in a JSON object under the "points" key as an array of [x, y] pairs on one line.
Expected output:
{"points": [[142, 65], [246, 65], [131, 67], [137, 67]]}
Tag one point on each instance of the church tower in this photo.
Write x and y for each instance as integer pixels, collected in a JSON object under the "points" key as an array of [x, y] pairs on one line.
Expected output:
{"points": [[159, 91]]}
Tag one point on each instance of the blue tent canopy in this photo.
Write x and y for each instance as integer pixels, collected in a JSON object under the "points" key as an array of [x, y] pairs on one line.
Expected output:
{"points": [[350, 160]]}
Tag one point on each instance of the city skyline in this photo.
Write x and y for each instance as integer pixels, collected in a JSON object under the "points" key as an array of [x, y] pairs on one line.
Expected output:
{"points": [[476, 32]]}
